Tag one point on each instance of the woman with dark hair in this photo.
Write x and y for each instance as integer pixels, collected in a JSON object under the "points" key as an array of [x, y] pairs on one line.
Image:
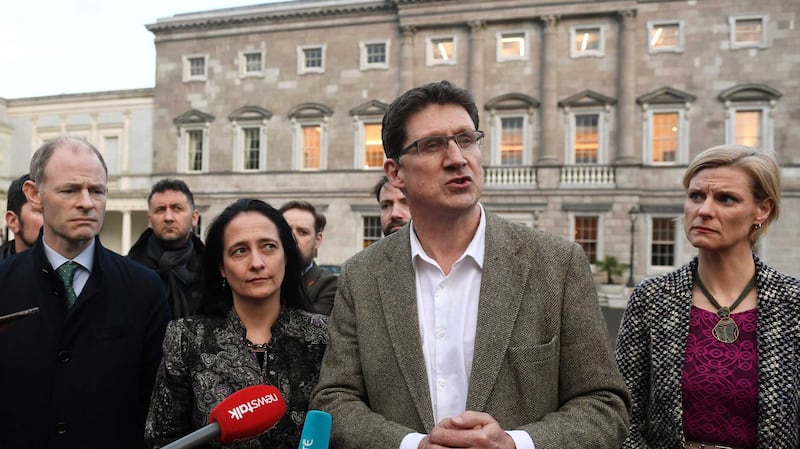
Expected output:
{"points": [[249, 330]]}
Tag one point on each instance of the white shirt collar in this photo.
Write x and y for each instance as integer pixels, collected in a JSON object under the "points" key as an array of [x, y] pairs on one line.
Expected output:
{"points": [[476, 248], [85, 259]]}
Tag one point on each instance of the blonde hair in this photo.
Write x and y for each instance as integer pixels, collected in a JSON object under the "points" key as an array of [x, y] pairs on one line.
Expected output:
{"points": [[763, 169]]}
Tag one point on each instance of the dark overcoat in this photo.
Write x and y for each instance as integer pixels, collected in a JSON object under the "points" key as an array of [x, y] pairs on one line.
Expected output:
{"points": [[78, 377]]}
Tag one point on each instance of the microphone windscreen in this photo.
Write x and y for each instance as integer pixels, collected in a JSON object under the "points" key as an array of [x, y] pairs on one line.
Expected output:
{"points": [[316, 430], [248, 413]]}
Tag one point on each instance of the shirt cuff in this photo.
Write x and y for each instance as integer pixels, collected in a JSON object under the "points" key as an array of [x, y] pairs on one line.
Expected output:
{"points": [[412, 440], [521, 439]]}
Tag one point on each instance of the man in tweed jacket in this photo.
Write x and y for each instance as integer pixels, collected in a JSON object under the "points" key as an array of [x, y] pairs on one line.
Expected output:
{"points": [[462, 329]]}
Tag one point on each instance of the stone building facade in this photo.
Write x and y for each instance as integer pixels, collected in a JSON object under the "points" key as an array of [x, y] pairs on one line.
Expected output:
{"points": [[118, 123], [591, 109]]}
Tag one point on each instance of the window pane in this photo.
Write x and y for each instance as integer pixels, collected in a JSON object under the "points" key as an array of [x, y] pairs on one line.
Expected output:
{"points": [[586, 138], [373, 146], [586, 236], [665, 136], [442, 49], [663, 246], [512, 45], [748, 31], [194, 141], [372, 230], [511, 141], [197, 66], [253, 62], [748, 128], [252, 148], [313, 57], [587, 39], [311, 146], [666, 36], [376, 53], [111, 154]]}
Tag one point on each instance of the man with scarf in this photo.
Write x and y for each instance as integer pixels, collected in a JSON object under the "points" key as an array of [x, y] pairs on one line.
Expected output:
{"points": [[170, 247]]}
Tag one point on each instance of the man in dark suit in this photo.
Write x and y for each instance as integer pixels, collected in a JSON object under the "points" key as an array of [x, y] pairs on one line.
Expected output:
{"points": [[78, 374], [307, 226], [462, 329]]}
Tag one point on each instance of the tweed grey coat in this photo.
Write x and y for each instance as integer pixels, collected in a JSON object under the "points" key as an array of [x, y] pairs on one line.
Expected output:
{"points": [[542, 360], [652, 344]]}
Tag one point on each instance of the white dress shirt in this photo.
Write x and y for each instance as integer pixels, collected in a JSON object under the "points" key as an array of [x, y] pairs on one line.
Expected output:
{"points": [[447, 308]]}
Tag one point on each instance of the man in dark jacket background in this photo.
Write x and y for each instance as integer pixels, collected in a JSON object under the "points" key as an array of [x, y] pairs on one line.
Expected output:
{"points": [[22, 219], [170, 245]]}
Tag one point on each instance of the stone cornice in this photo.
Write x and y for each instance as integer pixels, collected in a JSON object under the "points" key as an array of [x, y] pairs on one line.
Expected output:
{"points": [[270, 13]]}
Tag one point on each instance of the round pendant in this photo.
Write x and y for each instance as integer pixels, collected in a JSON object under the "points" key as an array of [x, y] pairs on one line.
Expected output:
{"points": [[726, 330]]}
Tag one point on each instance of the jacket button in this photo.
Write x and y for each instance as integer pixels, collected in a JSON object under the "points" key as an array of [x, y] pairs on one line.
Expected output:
{"points": [[61, 428], [63, 356]]}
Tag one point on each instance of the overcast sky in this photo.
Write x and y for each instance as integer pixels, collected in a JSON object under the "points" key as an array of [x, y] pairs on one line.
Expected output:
{"points": [[51, 47]]}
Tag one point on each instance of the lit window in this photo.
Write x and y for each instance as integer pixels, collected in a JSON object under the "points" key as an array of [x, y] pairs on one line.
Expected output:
{"points": [[511, 46], [311, 59], [665, 126], [194, 150], [665, 37], [373, 146], [749, 115], [586, 41], [585, 234], [194, 68], [662, 248], [748, 32], [747, 128], [511, 140], [311, 136], [587, 141], [665, 136], [374, 55], [372, 230], [441, 50]]}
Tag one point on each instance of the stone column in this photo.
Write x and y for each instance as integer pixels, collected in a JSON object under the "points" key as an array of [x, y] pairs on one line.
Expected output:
{"points": [[125, 240], [548, 153], [626, 67], [477, 30], [407, 58]]}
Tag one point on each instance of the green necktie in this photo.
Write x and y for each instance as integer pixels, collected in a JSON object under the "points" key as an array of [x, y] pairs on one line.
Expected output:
{"points": [[66, 272]]}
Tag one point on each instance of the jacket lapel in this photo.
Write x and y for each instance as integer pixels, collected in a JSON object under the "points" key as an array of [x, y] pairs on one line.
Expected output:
{"points": [[500, 299], [399, 303]]}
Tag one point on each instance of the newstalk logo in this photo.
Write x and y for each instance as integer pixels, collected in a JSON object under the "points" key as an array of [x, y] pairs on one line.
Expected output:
{"points": [[239, 411]]}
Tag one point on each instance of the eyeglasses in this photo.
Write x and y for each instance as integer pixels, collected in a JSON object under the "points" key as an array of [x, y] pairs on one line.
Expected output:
{"points": [[467, 141]]}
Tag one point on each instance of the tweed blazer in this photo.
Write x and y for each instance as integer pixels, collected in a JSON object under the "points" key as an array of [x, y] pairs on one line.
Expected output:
{"points": [[652, 344], [542, 361]]}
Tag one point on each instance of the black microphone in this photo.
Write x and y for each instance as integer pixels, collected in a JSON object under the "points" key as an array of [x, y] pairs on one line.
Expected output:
{"points": [[245, 414]]}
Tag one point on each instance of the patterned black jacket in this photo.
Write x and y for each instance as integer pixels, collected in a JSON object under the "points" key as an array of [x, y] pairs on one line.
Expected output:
{"points": [[652, 344], [206, 360]]}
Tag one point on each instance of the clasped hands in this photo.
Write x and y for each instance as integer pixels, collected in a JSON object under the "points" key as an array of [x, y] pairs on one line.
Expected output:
{"points": [[468, 430]]}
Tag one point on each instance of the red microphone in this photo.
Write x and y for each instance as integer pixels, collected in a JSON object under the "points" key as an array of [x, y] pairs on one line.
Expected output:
{"points": [[245, 414]]}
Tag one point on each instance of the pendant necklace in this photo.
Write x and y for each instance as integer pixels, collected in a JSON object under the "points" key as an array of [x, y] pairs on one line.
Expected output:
{"points": [[726, 329]]}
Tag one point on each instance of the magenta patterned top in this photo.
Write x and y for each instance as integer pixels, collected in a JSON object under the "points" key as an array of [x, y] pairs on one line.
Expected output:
{"points": [[720, 382]]}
